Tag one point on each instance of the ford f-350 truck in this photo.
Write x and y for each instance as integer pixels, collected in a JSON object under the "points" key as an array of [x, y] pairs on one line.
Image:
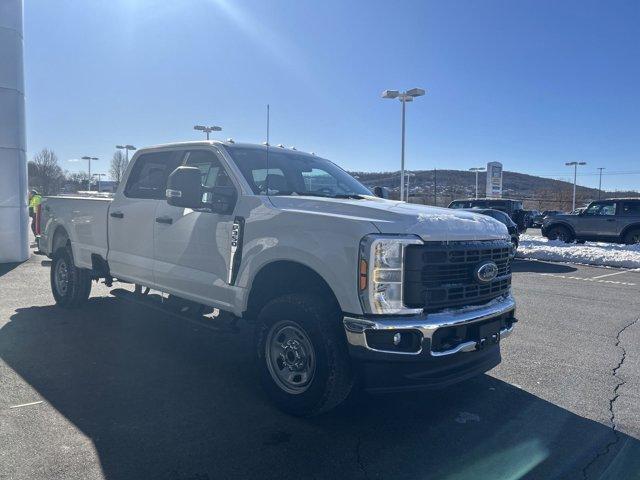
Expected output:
{"points": [[344, 288]]}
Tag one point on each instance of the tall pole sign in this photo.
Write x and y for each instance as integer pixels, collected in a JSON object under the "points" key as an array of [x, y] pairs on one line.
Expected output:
{"points": [[494, 180], [14, 217]]}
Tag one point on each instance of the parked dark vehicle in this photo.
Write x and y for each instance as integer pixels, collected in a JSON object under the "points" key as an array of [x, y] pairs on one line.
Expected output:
{"points": [[539, 218], [513, 208], [613, 220], [502, 218], [530, 215]]}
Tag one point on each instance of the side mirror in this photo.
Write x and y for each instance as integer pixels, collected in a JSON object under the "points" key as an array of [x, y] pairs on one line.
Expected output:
{"points": [[184, 188], [382, 192], [220, 199]]}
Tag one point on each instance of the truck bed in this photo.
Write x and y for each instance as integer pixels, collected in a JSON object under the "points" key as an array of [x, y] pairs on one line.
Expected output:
{"points": [[85, 220]]}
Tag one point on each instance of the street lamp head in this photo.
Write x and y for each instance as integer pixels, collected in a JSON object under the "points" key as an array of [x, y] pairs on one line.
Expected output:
{"points": [[582, 163], [199, 127], [416, 92], [130, 147], [86, 158], [390, 94], [120, 146], [477, 169]]}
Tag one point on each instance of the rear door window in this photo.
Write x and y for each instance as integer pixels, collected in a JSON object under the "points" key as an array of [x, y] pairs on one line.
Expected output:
{"points": [[631, 209], [148, 178]]}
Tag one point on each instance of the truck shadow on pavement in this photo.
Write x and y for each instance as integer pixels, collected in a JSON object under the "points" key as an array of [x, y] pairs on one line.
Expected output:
{"points": [[7, 267], [537, 266], [164, 399]]}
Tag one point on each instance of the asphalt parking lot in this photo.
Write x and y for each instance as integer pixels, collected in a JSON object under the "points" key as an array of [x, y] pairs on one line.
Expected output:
{"points": [[118, 390]]}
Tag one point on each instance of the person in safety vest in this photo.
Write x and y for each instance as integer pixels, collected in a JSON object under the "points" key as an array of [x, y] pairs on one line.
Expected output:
{"points": [[34, 200]]}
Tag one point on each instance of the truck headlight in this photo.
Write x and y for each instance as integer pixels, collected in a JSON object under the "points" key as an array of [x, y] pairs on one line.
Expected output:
{"points": [[381, 274]]}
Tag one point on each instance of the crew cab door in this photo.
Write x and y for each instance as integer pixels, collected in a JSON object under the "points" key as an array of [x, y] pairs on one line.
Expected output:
{"points": [[132, 214], [599, 220], [192, 248]]}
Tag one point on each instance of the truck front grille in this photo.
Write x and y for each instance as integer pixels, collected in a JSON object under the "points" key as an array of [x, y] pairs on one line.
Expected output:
{"points": [[440, 275]]}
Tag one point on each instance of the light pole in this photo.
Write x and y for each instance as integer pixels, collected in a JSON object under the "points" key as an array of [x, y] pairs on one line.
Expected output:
{"points": [[600, 183], [477, 170], [126, 148], [409, 175], [404, 97], [99, 175], [207, 130], [89, 159], [575, 175]]}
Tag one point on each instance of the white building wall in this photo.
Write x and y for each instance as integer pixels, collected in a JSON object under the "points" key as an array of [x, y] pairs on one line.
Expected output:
{"points": [[14, 217]]}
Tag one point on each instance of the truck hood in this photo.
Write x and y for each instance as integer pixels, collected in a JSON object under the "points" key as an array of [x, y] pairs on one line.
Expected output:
{"points": [[395, 217]]}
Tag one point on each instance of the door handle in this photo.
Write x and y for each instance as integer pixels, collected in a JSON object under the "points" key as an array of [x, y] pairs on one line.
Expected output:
{"points": [[117, 214], [165, 220]]}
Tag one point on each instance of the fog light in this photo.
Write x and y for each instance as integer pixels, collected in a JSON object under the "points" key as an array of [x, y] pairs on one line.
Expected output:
{"points": [[397, 338]]}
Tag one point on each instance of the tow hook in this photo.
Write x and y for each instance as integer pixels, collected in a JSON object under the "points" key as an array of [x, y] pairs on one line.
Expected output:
{"points": [[492, 340]]}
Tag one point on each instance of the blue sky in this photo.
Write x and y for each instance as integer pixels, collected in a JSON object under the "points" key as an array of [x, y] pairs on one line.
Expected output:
{"points": [[532, 84]]}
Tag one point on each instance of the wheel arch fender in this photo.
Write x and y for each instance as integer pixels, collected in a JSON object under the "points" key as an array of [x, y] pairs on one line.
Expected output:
{"points": [[284, 276], [628, 228], [60, 238], [561, 223]]}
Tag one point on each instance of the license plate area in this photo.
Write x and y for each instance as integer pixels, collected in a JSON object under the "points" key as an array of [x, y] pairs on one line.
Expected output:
{"points": [[483, 333]]}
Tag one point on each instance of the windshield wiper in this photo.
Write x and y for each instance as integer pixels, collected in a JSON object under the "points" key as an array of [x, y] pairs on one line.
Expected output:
{"points": [[337, 195], [349, 195], [322, 195]]}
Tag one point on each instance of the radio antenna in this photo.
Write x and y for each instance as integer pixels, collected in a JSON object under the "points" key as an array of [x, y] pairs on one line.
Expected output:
{"points": [[267, 176]]}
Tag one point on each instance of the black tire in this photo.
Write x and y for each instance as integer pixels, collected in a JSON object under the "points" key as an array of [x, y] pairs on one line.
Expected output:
{"points": [[318, 324], [632, 236], [70, 285], [560, 233]]}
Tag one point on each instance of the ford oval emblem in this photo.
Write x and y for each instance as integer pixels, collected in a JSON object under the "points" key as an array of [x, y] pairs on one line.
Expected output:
{"points": [[486, 272]]}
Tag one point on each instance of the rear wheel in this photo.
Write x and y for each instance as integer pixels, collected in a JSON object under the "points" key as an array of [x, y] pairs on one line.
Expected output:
{"points": [[560, 233], [70, 285], [632, 237], [302, 354]]}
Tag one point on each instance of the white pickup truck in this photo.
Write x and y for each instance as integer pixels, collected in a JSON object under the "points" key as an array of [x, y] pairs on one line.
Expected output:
{"points": [[344, 288]]}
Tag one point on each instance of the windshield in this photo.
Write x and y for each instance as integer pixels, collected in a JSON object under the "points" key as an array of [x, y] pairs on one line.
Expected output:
{"points": [[288, 173]]}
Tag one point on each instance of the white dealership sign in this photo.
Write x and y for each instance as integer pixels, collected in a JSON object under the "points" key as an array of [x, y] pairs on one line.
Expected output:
{"points": [[494, 180]]}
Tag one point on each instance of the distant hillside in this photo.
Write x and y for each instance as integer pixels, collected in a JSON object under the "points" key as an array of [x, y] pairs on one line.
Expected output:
{"points": [[538, 192]]}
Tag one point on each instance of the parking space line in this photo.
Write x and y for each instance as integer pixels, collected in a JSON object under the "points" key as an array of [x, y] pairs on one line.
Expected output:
{"points": [[27, 404], [617, 273], [587, 279]]}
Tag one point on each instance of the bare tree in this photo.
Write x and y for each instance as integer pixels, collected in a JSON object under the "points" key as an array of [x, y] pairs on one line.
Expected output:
{"points": [[45, 175], [118, 166], [77, 181]]}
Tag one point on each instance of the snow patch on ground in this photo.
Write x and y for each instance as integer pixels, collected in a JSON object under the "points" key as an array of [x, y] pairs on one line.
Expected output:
{"points": [[591, 253]]}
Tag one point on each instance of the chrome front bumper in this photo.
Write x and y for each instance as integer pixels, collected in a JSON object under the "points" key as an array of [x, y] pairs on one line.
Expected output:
{"points": [[427, 324]]}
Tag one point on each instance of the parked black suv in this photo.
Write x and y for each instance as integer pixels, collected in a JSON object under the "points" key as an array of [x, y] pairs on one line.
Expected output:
{"points": [[613, 220], [503, 218], [513, 208]]}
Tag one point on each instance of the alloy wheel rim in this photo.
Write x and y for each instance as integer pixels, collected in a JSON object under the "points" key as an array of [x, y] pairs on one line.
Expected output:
{"points": [[290, 357]]}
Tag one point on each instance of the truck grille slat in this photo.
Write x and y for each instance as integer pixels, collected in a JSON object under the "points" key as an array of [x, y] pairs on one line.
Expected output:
{"points": [[440, 275]]}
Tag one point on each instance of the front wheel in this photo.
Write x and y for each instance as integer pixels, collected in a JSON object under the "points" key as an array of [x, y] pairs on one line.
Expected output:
{"points": [[560, 233], [70, 285], [302, 354]]}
